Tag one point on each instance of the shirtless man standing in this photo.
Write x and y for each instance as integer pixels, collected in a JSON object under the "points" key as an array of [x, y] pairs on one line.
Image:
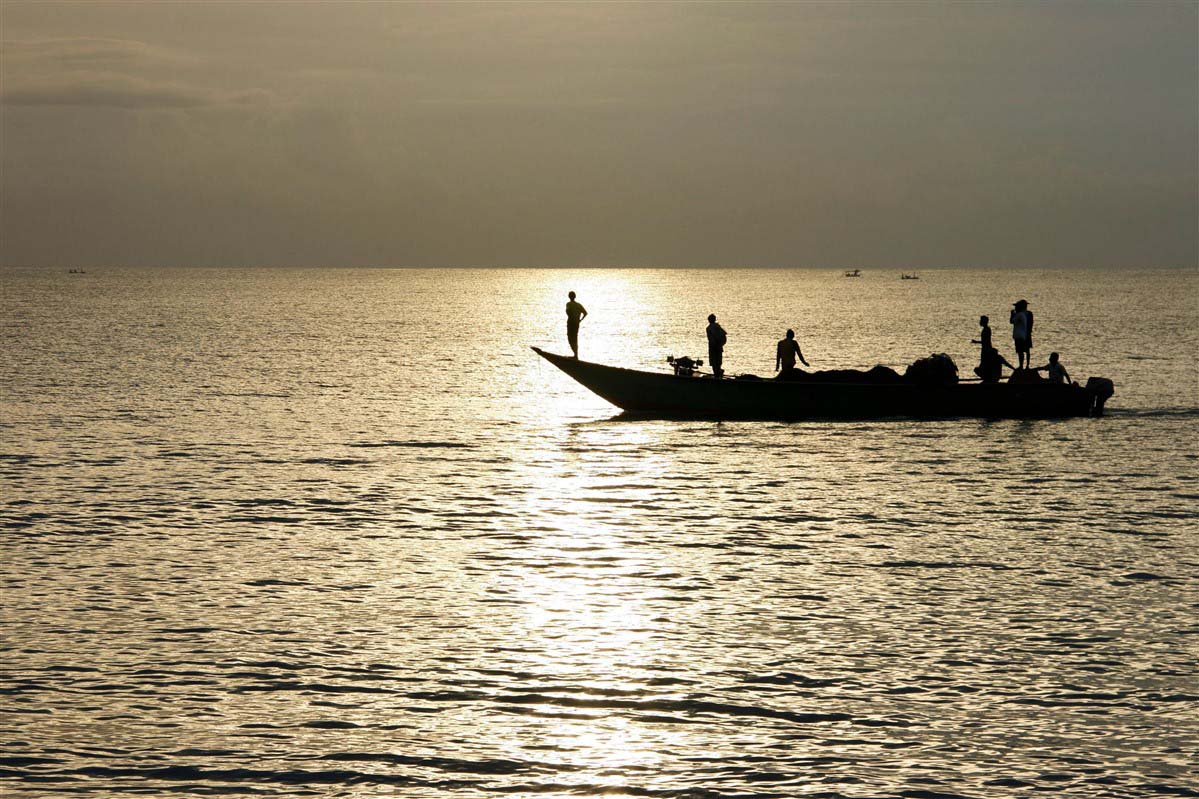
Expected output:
{"points": [[575, 313]]}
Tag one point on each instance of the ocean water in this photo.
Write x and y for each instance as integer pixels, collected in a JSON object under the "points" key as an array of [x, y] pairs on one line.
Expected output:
{"points": [[341, 533]]}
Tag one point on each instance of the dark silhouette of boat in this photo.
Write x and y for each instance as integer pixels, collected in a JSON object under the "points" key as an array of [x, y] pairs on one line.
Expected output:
{"points": [[909, 276], [853, 273], [849, 396]]}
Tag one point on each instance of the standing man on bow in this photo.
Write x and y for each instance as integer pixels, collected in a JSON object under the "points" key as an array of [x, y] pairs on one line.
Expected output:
{"points": [[716, 341], [575, 313]]}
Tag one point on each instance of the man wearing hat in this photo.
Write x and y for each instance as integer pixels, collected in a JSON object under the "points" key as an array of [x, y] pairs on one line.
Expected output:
{"points": [[1021, 319]]}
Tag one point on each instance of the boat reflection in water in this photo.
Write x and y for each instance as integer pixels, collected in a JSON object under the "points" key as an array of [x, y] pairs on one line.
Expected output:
{"points": [[879, 393]]}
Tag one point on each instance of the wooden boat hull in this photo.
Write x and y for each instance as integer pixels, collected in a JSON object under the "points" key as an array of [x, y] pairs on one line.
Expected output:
{"points": [[665, 395]]}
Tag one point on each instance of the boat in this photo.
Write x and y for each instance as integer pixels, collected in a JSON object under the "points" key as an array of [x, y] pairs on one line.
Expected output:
{"points": [[853, 273], [909, 276], [879, 394]]}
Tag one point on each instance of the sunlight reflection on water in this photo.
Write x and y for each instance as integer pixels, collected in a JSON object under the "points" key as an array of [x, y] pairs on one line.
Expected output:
{"points": [[342, 532]]}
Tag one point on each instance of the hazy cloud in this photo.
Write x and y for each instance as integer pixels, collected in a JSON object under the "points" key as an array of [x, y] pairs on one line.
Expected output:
{"points": [[124, 91], [99, 72], [87, 52]]}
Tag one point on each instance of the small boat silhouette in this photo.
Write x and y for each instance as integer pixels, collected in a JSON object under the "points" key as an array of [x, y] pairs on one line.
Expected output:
{"points": [[853, 273]]}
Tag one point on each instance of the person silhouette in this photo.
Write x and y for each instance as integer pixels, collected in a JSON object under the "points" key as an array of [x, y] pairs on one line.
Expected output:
{"points": [[985, 360], [1057, 372], [575, 313], [990, 366], [984, 338], [1021, 319], [717, 338], [785, 354]]}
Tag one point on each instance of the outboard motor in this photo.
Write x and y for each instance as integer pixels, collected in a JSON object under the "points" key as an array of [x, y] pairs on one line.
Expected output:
{"points": [[684, 366], [1101, 390]]}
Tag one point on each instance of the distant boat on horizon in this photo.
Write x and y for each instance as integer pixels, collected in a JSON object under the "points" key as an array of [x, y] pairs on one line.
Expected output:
{"points": [[909, 276], [853, 273]]}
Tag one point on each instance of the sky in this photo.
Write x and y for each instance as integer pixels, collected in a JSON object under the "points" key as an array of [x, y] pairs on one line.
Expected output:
{"points": [[841, 134]]}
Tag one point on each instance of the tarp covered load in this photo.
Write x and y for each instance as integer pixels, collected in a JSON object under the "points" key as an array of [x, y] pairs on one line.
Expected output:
{"points": [[935, 370], [878, 374]]}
